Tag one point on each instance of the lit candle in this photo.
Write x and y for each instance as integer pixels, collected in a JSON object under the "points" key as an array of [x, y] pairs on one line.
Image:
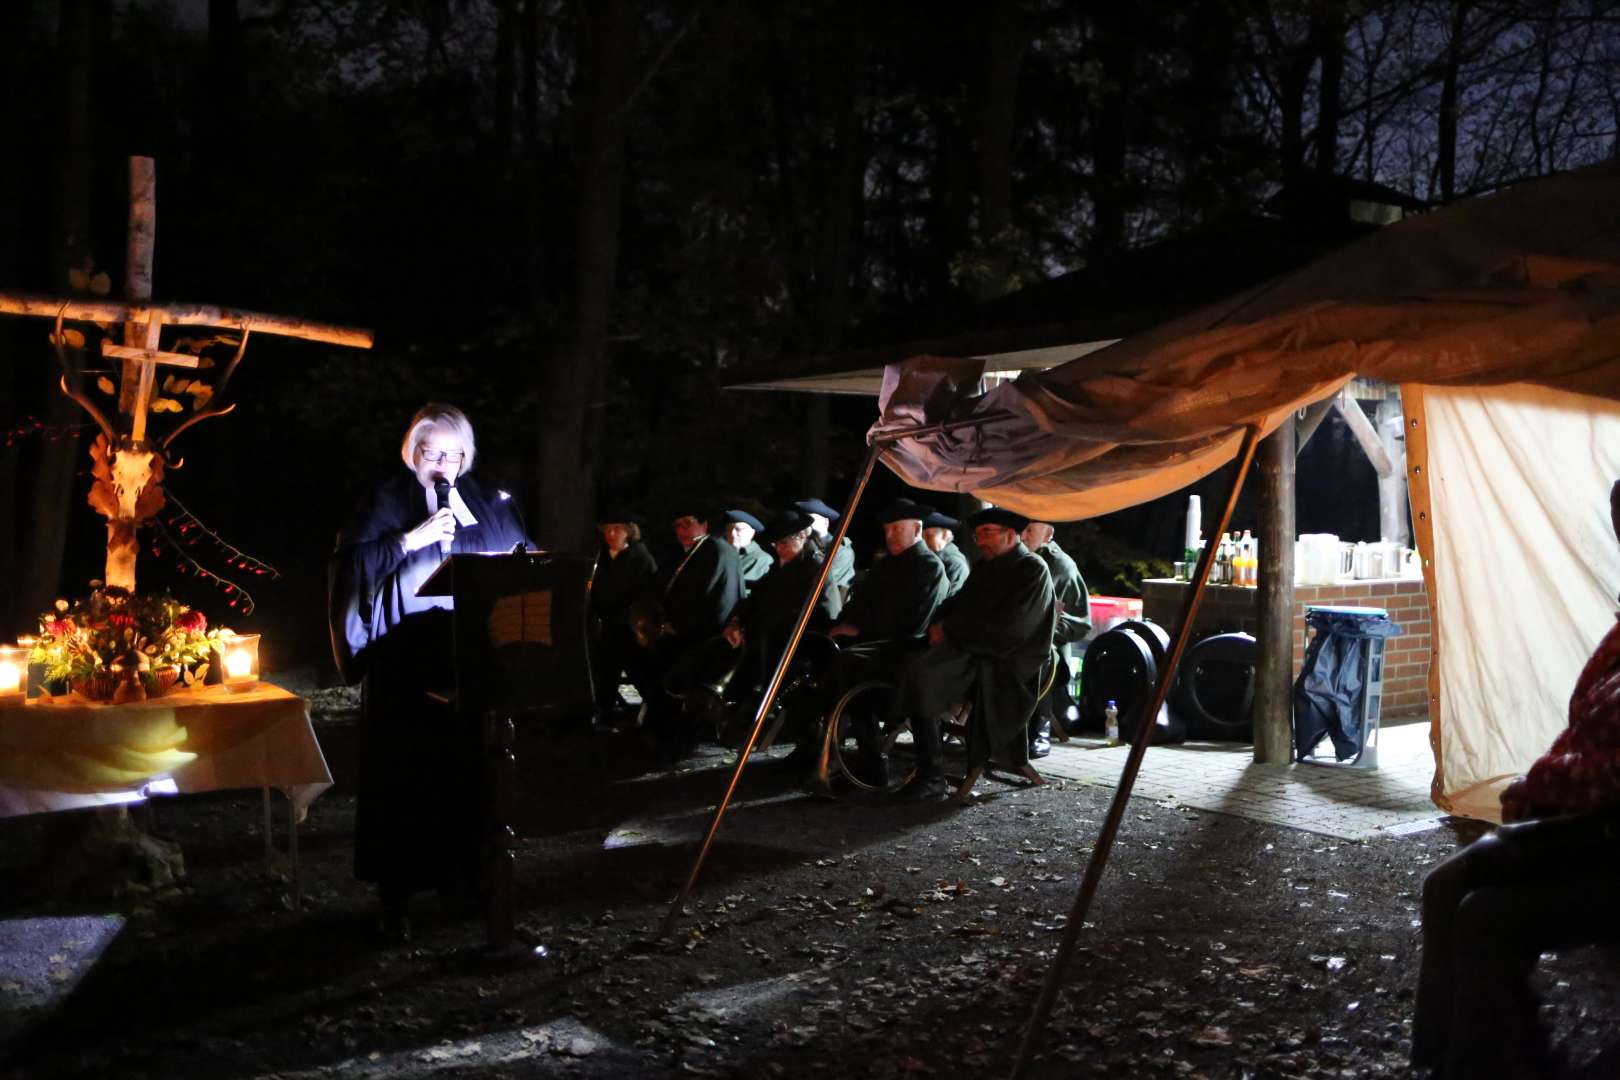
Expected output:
{"points": [[239, 661], [13, 669]]}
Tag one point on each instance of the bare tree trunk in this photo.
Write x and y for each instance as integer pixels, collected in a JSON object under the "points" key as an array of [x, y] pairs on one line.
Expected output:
{"points": [[996, 117], [567, 476], [1446, 151], [58, 463], [1328, 27], [1113, 43], [506, 34]]}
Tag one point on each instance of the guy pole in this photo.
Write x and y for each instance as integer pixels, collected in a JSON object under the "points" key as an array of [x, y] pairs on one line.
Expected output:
{"points": [[879, 443], [1133, 765]]}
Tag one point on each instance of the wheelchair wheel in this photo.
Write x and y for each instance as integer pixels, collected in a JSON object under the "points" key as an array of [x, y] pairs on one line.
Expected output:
{"points": [[859, 716]]}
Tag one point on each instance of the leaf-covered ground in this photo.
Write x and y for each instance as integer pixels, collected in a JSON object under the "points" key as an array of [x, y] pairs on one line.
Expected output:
{"points": [[852, 938]]}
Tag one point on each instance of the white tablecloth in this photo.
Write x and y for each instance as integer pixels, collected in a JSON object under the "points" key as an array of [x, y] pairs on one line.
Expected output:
{"points": [[66, 753]]}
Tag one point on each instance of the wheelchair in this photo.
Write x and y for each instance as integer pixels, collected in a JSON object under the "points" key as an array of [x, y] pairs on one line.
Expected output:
{"points": [[859, 738]]}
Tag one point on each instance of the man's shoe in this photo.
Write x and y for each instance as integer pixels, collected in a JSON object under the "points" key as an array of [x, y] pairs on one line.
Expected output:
{"points": [[1040, 748], [924, 788]]}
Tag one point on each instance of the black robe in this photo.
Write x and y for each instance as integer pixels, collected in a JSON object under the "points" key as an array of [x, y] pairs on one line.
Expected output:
{"points": [[956, 567], [417, 800], [775, 599], [998, 635]]}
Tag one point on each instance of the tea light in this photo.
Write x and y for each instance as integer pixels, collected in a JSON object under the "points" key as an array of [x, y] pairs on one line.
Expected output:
{"points": [[13, 670], [239, 662]]}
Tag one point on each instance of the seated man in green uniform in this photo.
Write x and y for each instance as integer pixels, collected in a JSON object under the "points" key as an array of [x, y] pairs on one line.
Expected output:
{"points": [[988, 648], [764, 620], [939, 535], [1073, 624], [740, 527], [821, 518]]}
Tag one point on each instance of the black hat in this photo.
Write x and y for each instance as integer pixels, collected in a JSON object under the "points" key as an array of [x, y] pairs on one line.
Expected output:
{"points": [[743, 517], [787, 523], [937, 520], [816, 506], [619, 515], [995, 515], [904, 510], [691, 506]]}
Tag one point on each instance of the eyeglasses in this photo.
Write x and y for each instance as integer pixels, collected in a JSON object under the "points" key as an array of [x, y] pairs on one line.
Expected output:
{"points": [[454, 457]]}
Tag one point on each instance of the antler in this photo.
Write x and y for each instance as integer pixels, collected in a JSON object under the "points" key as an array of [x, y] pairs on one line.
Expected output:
{"points": [[67, 388], [205, 414]]}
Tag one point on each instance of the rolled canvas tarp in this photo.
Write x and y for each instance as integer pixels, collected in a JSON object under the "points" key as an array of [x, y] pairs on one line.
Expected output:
{"points": [[1502, 304], [1521, 286]]}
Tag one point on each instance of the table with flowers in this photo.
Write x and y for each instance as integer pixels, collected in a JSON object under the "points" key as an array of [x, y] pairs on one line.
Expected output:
{"points": [[140, 716]]}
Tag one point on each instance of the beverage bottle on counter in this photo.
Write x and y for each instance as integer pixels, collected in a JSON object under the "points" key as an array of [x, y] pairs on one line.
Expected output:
{"points": [[1223, 563], [1111, 723]]}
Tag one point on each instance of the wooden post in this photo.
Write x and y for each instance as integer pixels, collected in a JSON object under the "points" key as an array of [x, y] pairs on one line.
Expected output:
{"points": [[138, 247], [1274, 673]]}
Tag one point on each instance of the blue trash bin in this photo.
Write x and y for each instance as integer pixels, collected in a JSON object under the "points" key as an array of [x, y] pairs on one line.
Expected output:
{"points": [[1340, 689]]}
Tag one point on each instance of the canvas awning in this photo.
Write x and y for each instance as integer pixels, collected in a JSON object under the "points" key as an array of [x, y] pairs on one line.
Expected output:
{"points": [[1500, 319], [869, 381]]}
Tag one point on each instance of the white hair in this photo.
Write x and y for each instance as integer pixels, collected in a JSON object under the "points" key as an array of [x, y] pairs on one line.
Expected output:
{"points": [[447, 418]]}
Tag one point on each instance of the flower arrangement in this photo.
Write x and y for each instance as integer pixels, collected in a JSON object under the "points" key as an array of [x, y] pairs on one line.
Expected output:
{"points": [[115, 645]]}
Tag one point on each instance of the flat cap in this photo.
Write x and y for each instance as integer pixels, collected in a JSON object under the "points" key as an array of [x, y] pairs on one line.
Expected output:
{"points": [[995, 515]]}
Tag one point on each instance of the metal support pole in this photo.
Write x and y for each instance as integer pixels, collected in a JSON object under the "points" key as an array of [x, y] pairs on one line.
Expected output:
{"points": [[1133, 765], [786, 659]]}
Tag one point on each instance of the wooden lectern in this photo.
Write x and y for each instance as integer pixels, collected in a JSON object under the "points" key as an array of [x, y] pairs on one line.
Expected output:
{"points": [[520, 651]]}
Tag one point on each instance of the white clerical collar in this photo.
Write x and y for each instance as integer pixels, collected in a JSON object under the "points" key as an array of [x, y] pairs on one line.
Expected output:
{"points": [[464, 516]]}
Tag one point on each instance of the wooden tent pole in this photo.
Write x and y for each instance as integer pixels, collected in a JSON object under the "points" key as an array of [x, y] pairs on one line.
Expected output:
{"points": [[1133, 765], [1274, 672], [879, 443]]}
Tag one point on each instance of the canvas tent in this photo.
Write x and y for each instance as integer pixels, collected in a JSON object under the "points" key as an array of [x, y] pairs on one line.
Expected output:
{"points": [[1500, 319]]}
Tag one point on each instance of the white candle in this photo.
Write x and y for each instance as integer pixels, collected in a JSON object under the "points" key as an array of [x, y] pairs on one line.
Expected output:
{"points": [[238, 664], [13, 674]]}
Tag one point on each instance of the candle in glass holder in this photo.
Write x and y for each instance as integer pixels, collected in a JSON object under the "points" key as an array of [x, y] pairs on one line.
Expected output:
{"points": [[239, 662], [13, 672]]}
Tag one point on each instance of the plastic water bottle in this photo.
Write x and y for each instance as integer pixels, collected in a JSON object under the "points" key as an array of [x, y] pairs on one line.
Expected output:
{"points": [[1111, 723]]}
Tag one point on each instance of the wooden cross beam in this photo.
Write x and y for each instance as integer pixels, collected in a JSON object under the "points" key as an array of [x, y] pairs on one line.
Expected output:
{"points": [[132, 471]]}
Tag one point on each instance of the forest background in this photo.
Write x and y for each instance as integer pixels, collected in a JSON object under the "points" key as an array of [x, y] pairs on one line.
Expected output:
{"points": [[579, 219]]}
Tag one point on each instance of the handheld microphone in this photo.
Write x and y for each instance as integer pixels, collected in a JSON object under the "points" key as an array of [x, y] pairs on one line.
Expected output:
{"points": [[441, 491]]}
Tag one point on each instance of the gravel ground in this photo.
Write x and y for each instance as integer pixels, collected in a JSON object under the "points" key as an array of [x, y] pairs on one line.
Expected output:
{"points": [[850, 938]]}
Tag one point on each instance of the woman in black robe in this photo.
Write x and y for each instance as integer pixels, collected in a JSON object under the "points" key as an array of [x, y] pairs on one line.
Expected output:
{"points": [[417, 797]]}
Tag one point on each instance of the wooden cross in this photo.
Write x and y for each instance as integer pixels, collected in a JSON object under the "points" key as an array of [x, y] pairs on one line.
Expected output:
{"points": [[116, 494]]}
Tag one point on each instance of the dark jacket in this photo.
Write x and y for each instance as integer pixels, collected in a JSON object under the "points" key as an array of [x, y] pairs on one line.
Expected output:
{"points": [[621, 581], [898, 596], [1070, 587], [704, 588], [775, 599], [956, 568], [755, 561]]}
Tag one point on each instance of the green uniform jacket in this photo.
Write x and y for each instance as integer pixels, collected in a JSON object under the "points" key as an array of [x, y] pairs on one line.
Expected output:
{"points": [[898, 597], [843, 571], [1003, 619], [956, 568], [756, 562], [1075, 622], [773, 603]]}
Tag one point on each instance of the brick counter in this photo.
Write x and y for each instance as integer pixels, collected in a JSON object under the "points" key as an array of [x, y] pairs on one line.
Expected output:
{"points": [[1406, 658]]}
